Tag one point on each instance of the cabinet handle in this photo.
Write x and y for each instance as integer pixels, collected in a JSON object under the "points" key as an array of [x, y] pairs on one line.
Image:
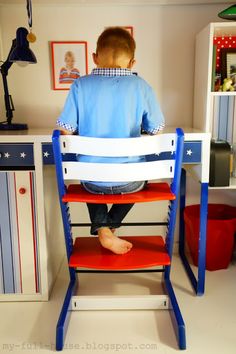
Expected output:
{"points": [[22, 190]]}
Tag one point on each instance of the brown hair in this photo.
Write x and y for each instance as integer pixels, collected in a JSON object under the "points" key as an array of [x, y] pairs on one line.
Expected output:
{"points": [[117, 39], [69, 54]]}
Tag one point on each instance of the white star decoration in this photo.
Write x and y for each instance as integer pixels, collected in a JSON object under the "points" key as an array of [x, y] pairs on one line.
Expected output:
{"points": [[46, 154], [7, 155], [189, 152], [22, 154]]}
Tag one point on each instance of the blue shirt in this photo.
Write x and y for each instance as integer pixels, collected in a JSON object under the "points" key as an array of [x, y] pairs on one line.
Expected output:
{"points": [[111, 103]]}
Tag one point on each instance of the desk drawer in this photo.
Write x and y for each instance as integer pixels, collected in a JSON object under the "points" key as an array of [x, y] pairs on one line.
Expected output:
{"points": [[47, 151], [16, 155], [192, 152]]}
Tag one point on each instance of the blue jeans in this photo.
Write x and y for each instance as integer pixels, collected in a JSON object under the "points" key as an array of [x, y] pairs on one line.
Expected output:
{"points": [[99, 214]]}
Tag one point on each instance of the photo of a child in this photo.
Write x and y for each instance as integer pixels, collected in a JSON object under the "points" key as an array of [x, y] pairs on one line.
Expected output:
{"points": [[69, 73], [69, 63]]}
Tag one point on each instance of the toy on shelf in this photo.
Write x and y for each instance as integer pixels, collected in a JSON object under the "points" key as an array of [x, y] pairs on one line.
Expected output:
{"points": [[227, 85]]}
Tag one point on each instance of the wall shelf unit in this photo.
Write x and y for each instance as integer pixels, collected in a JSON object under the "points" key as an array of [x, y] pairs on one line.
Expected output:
{"points": [[203, 94], [214, 111]]}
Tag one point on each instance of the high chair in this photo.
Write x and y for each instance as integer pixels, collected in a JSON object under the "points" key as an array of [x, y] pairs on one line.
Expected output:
{"points": [[164, 153]]}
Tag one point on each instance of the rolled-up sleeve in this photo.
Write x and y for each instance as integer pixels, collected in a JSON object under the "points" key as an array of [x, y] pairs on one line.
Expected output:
{"points": [[69, 118], [153, 119]]}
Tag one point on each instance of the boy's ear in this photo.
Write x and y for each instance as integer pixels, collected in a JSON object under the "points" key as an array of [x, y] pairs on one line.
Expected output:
{"points": [[131, 63], [95, 58]]}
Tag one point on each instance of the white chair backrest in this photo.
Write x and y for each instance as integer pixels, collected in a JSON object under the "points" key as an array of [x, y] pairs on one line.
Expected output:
{"points": [[118, 172], [144, 145]]}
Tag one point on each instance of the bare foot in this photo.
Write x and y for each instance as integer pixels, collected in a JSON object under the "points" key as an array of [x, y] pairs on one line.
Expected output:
{"points": [[113, 243]]}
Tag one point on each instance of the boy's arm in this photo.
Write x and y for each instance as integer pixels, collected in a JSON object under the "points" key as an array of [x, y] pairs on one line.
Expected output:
{"points": [[153, 121], [68, 120], [65, 132]]}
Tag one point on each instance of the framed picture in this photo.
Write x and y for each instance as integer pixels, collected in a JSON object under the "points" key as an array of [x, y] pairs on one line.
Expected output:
{"points": [[228, 64], [69, 62], [130, 29]]}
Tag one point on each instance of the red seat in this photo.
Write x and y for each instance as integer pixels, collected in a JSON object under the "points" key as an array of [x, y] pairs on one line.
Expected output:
{"points": [[152, 192], [147, 251]]}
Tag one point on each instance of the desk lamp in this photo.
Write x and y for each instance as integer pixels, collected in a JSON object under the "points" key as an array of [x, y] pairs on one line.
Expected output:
{"points": [[19, 53]]}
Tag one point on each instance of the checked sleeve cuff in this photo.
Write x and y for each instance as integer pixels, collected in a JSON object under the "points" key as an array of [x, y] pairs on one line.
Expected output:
{"points": [[155, 130], [66, 126]]}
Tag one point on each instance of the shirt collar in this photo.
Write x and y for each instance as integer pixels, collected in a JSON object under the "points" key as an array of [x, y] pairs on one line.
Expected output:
{"points": [[112, 72]]}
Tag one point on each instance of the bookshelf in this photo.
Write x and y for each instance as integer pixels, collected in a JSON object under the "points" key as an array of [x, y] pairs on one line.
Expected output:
{"points": [[214, 111]]}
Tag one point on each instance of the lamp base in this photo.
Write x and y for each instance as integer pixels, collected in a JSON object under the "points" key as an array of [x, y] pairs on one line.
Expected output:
{"points": [[13, 126]]}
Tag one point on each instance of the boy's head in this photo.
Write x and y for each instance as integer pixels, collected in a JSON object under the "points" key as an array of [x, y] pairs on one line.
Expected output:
{"points": [[115, 49], [69, 58]]}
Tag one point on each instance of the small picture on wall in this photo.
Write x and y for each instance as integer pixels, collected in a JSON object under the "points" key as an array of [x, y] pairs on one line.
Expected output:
{"points": [[69, 62], [130, 29]]}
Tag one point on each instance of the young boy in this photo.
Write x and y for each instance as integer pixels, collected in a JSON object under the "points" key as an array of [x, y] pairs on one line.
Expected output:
{"points": [[112, 102], [68, 73]]}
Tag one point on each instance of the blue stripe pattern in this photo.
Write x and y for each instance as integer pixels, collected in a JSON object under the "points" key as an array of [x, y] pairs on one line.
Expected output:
{"points": [[6, 237]]}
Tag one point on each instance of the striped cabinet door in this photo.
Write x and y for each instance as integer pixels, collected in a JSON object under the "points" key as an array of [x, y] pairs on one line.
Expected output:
{"points": [[19, 261]]}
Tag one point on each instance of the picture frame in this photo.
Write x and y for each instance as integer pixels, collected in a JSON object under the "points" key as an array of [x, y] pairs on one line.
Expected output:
{"points": [[228, 64], [130, 29], [69, 62]]}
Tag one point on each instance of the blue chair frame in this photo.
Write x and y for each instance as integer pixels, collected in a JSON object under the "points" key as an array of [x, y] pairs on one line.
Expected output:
{"points": [[64, 317]]}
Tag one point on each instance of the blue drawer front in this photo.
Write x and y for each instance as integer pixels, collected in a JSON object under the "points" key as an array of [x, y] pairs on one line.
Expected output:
{"points": [[48, 157], [47, 151], [16, 155], [192, 153]]}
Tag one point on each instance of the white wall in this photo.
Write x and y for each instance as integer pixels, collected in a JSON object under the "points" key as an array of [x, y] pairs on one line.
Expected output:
{"points": [[165, 37], [165, 52]]}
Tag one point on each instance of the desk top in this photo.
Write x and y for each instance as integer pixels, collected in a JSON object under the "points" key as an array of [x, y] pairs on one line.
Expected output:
{"points": [[197, 147], [44, 135]]}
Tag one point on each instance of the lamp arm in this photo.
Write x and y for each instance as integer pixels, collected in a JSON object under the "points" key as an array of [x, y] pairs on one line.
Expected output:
{"points": [[7, 98], [7, 64]]}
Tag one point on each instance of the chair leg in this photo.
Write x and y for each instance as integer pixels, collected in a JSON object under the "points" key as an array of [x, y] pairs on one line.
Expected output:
{"points": [[64, 317], [176, 316]]}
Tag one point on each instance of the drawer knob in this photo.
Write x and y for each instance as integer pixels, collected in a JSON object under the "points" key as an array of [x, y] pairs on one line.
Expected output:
{"points": [[22, 190]]}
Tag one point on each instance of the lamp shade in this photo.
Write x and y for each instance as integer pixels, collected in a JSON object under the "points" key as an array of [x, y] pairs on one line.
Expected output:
{"points": [[22, 52], [229, 13]]}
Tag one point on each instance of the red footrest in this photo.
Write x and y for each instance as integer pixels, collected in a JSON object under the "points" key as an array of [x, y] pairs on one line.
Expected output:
{"points": [[147, 251], [152, 192]]}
